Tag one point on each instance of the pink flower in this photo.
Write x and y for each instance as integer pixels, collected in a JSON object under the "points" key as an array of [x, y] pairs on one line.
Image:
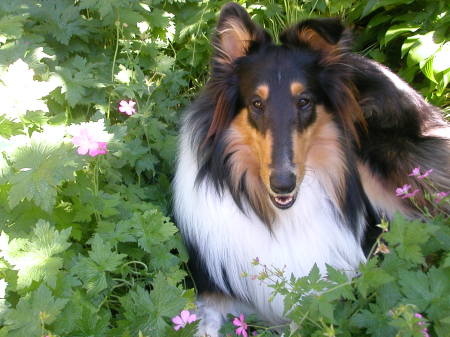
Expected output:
{"points": [[414, 172], [86, 143], [127, 107], [183, 319], [421, 323], [242, 326], [90, 138], [426, 174], [410, 195], [402, 190], [440, 196]]}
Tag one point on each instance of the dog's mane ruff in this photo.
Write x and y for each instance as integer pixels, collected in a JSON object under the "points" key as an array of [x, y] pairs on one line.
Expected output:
{"points": [[404, 132]]}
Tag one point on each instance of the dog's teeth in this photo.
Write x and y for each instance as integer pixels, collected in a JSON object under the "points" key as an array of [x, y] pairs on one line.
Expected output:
{"points": [[283, 200]]}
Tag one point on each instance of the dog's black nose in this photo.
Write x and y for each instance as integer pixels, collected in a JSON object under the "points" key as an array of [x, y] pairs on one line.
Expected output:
{"points": [[282, 182]]}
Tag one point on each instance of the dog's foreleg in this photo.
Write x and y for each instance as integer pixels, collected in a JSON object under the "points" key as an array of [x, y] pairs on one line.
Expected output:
{"points": [[212, 310]]}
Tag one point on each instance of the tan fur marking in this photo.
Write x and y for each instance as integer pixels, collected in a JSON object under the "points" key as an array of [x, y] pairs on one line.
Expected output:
{"points": [[234, 40], [296, 88], [380, 193], [322, 155], [250, 153], [263, 91], [312, 38]]}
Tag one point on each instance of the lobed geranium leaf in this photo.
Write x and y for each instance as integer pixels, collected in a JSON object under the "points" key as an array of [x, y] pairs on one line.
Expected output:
{"points": [[152, 228], [35, 258], [41, 166], [36, 308], [150, 312], [376, 323], [407, 237]]}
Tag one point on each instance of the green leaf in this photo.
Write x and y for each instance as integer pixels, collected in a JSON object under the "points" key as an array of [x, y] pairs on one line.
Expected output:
{"points": [[397, 30], [373, 5], [375, 322], [62, 19], [406, 237], [77, 76], [11, 27], [93, 279], [92, 270], [16, 79], [42, 165], [82, 318], [35, 259], [441, 61], [372, 277], [102, 254], [105, 8], [427, 68], [33, 310], [409, 42], [152, 228], [425, 48], [146, 311], [415, 285]]}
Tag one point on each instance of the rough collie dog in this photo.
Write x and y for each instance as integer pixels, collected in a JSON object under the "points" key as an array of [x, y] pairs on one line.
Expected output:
{"points": [[292, 154]]}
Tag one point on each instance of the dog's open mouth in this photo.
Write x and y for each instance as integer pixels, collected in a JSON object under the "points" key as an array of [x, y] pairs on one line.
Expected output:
{"points": [[283, 201]]}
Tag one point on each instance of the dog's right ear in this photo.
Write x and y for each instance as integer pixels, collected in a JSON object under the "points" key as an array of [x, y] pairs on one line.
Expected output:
{"points": [[236, 34]]}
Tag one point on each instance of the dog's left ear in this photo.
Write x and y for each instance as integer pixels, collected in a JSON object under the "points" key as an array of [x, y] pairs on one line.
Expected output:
{"points": [[236, 34], [323, 35]]}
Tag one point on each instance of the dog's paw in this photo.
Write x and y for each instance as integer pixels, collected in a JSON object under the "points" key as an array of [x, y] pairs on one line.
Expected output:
{"points": [[207, 331]]}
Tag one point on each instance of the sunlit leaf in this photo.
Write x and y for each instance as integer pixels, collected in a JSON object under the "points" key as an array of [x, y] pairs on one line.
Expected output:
{"points": [[41, 165], [425, 47], [17, 79], [36, 258], [398, 30]]}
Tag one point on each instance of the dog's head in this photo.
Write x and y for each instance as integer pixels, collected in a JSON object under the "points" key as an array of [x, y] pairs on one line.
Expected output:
{"points": [[280, 107]]}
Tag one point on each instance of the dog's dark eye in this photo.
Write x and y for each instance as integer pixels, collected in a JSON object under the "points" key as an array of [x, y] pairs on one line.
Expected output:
{"points": [[302, 102], [258, 104]]}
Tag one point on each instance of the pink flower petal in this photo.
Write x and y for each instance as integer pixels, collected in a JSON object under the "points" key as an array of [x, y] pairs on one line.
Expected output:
{"points": [[236, 322], [410, 195], [82, 150], [440, 196], [127, 107], [399, 191], [178, 327], [426, 174], [185, 315], [192, 318], [414, 172], [177, 320]]}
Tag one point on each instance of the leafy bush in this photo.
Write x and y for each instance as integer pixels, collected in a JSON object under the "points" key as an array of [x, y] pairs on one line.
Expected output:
{"points": [[87, 245]]}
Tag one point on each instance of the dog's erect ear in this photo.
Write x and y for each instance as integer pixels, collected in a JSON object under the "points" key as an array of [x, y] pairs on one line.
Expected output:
{"points": [[325, 35], [236, 34]]}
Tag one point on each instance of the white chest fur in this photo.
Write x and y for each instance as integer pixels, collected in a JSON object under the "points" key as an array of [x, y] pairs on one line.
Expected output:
{"points": [[307, 233]]}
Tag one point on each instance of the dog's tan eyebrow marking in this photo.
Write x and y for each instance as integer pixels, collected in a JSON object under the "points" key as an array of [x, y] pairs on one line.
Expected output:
{"points": [[262, 91], [296, 88]]}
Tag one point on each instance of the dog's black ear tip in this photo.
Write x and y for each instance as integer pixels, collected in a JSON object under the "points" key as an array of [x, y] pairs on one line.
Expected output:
{"points": [[330, 29], [232, 9]]}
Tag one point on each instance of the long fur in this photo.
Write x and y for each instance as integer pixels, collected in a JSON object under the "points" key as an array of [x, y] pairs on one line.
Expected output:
{"points": [[368, 129]]}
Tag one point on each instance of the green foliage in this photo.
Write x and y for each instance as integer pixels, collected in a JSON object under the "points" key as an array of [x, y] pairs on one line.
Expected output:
{"points": [[382, 300], [88, 247]]}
